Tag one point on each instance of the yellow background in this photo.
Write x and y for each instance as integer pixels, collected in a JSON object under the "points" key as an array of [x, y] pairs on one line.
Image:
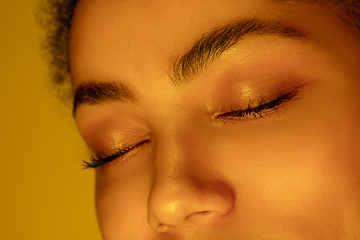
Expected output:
{"points": [[44, 192]]}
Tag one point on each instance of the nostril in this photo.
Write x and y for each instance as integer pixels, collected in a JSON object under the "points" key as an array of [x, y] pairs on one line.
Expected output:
{"points": [[199, 216], [188, 219], [201, 213], [162, 227]]}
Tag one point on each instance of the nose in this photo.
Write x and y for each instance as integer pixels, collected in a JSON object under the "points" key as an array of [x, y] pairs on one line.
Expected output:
{"points": [[176, 205], [187, 191]]}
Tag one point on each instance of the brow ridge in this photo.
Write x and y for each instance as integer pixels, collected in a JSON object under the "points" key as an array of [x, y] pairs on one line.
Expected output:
{"points": [[94, 93], [212, 45]]}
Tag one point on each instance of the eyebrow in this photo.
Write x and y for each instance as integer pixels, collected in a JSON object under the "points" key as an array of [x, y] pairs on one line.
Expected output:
{"points": [[95, 93], [203, 52], [212, 45]]}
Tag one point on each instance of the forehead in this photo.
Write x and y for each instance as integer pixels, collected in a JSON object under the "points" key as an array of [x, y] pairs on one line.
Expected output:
{"points": [[131, 39]]}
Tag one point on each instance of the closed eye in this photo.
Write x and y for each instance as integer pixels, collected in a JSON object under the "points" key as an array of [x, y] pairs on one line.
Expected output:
{"points": [[100, 161], [258, 111]]}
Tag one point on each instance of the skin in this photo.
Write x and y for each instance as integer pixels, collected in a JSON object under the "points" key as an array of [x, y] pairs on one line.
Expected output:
{"points": [[293, 173]]}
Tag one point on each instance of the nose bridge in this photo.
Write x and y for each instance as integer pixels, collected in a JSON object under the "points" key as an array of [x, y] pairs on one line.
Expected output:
{"points": [[172, 154], [184, 188], [173, 170], [177, 157]]}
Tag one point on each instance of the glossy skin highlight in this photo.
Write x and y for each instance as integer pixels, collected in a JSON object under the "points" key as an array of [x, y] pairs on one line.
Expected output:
{"points": [[293, 173]]}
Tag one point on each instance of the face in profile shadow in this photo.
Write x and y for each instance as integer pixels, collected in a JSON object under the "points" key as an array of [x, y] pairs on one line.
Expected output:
{"points": [[220, 119]]}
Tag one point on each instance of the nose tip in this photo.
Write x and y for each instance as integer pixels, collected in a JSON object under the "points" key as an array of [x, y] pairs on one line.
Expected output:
{"points": [[185, 206]]}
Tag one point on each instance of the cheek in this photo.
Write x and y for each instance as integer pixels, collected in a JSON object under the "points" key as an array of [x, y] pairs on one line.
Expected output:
{"points": [[121, 203], [300, 173]]}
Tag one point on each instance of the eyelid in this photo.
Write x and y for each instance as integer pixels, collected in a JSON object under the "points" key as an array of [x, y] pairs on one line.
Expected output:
{"points": [[258, 108], [119, 154]]}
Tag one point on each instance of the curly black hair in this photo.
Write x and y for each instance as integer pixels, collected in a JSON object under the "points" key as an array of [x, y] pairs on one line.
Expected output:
{"points": [[55, 18]]}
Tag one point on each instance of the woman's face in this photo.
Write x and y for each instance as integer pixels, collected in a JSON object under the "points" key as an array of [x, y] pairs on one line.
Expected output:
{"points": [[232, 119]]}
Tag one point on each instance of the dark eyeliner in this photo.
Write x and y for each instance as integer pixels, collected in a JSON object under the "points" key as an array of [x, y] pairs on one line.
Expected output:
{"points": [[259, 111]]}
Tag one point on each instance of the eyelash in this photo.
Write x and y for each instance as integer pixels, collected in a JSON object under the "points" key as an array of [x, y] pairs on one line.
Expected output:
{"points": [[104, 159], [258, 111]]}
